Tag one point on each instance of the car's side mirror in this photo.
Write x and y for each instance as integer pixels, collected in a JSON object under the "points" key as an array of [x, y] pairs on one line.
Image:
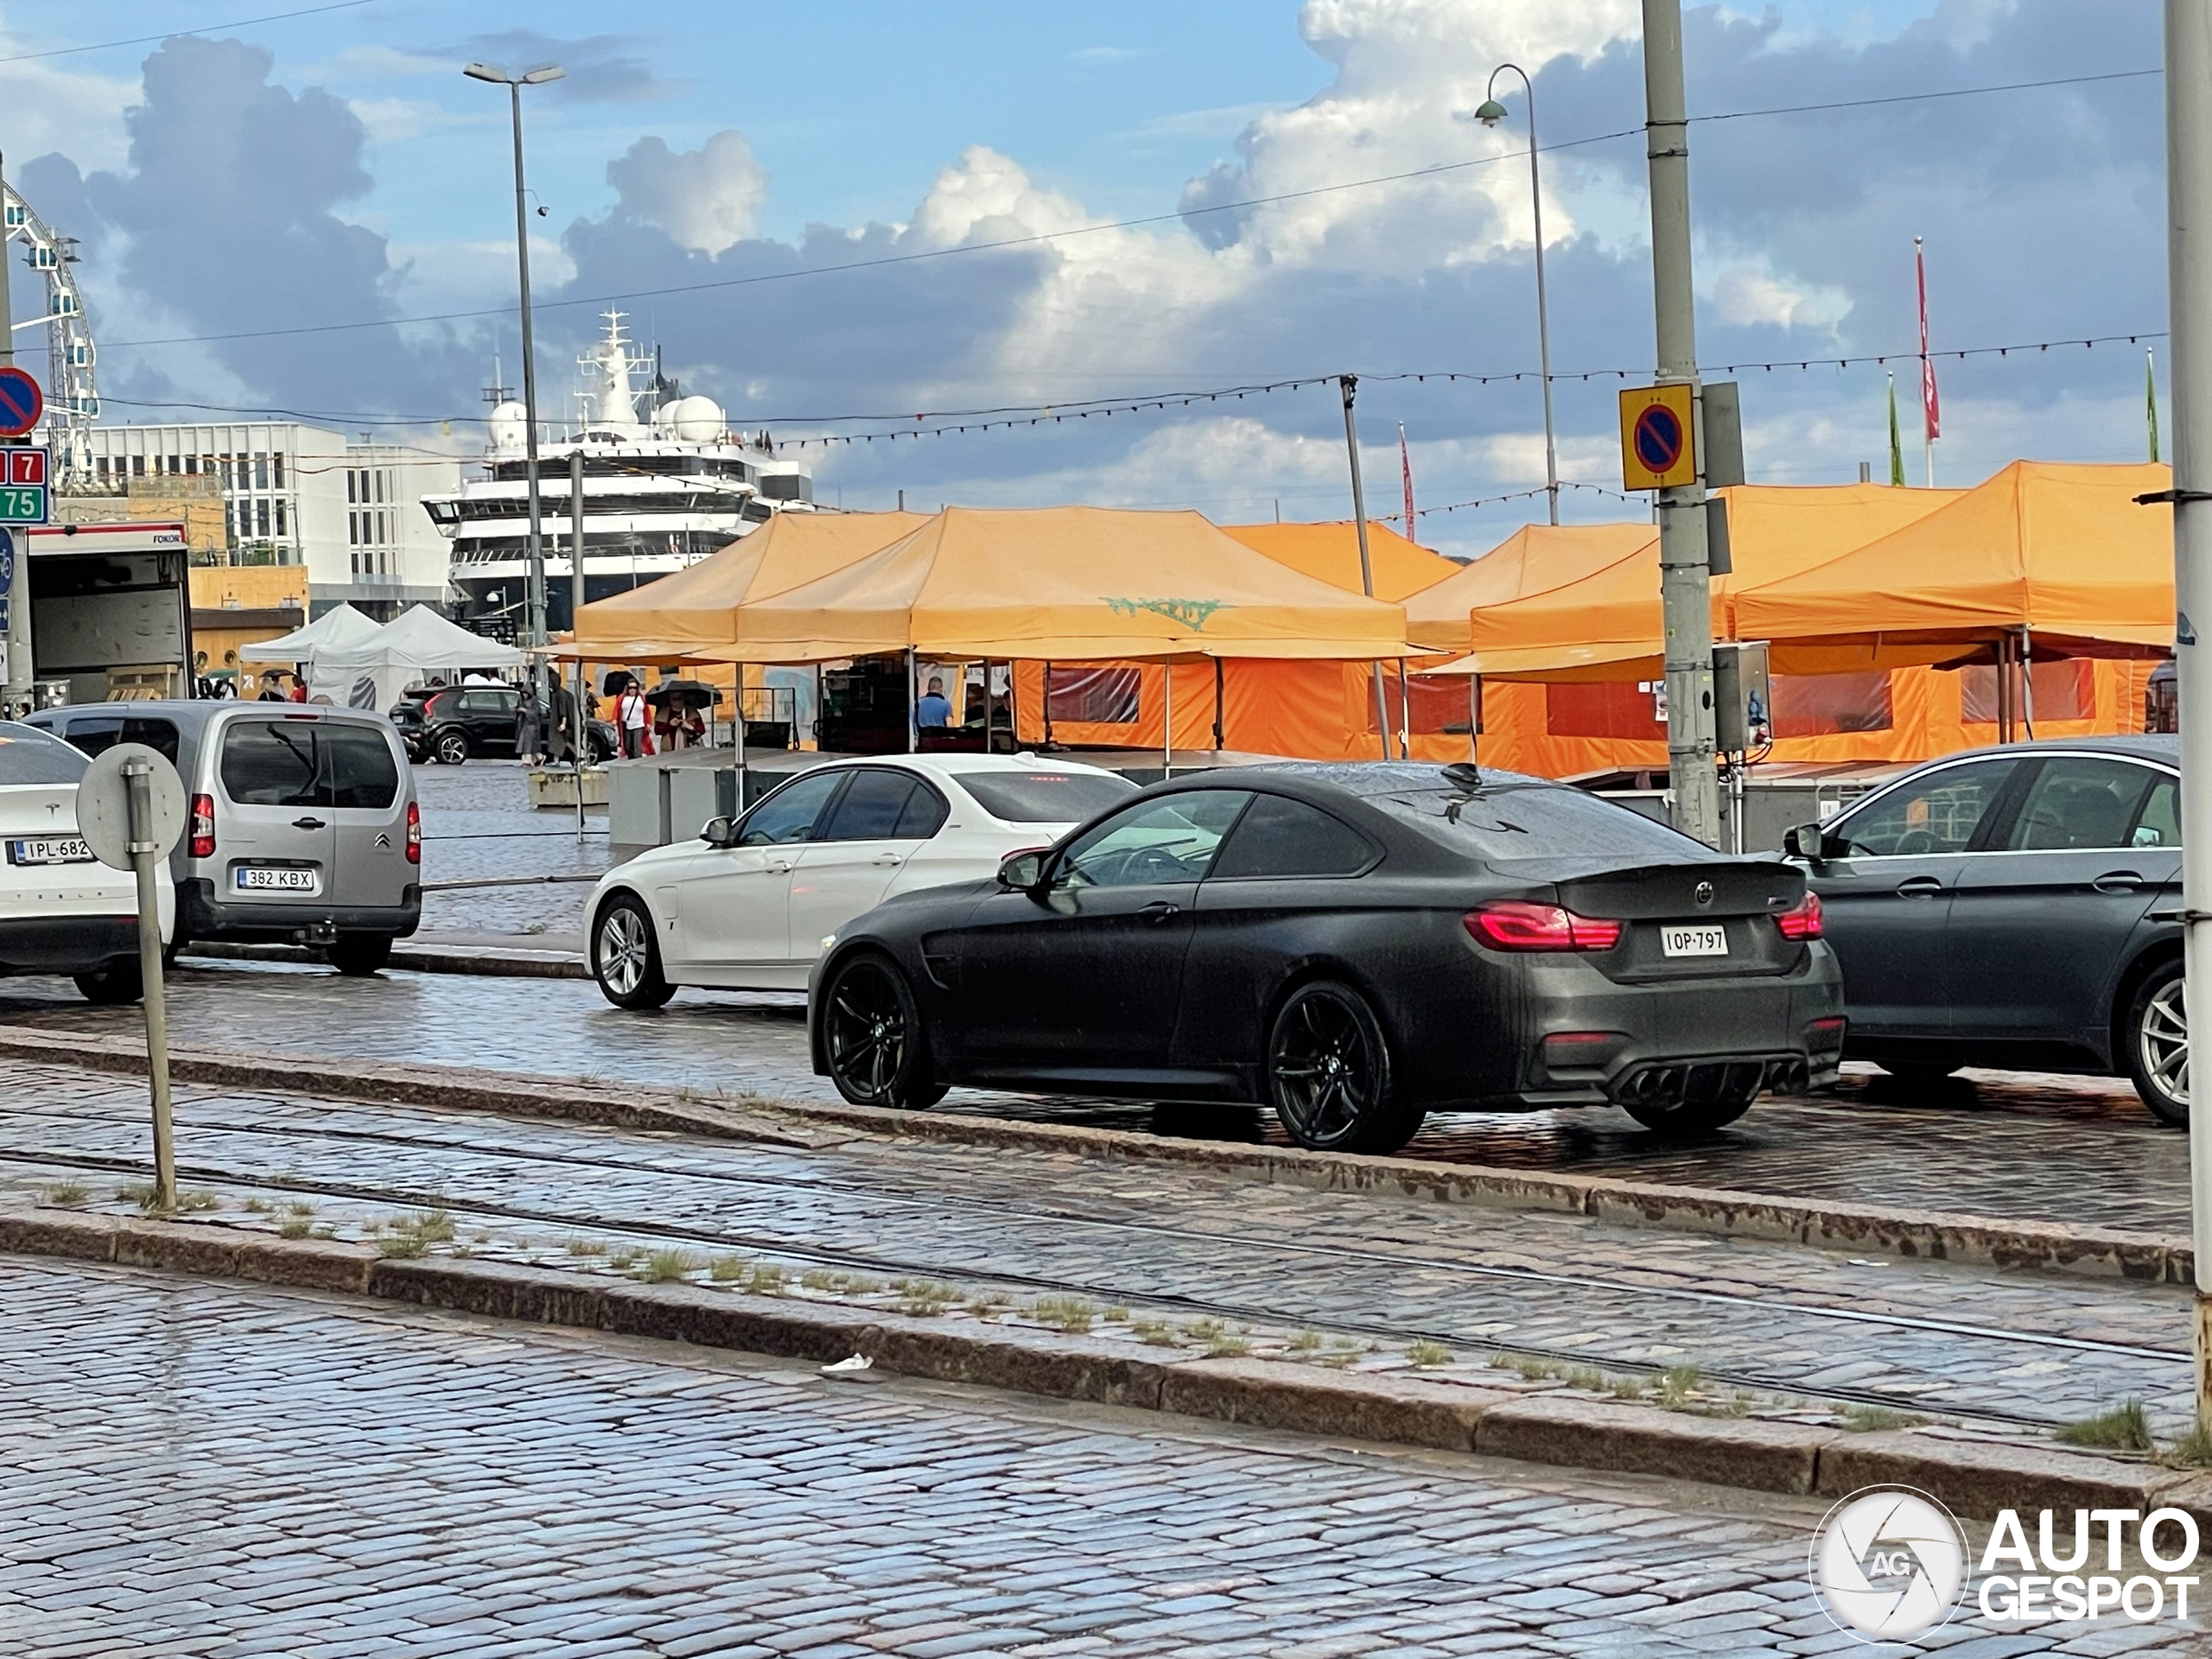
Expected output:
{"points": [[1022, 872], [718, 832], [1805, 841]]}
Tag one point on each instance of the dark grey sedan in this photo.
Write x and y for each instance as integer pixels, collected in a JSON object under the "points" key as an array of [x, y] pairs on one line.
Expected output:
{"points": [[1355, 946], [2016, 908]]}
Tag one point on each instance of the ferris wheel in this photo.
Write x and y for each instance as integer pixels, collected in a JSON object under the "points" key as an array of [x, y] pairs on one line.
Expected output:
{"points": [[72, 402]]}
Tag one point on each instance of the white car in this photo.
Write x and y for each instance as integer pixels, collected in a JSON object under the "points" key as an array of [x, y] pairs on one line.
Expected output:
{"points": [[749, 904], [62, 910]]}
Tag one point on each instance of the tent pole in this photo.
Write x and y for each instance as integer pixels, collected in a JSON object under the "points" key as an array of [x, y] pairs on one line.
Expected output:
{"points": [[1405, 714], [737, 673], [1474, 713], [1048, 704], [1349, 385], [1218, 678], [1167, 720], [2028, 680], [913, 732]]}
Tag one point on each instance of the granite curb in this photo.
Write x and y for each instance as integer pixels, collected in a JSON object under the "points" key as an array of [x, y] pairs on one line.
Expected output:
{"points": [[419, 959], [1861, 1229], [1972, 1477]]}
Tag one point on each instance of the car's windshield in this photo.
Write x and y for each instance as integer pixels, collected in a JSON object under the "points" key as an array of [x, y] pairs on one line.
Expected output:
{"points": [[29, 756], [1043, 797], [1498, 823]]}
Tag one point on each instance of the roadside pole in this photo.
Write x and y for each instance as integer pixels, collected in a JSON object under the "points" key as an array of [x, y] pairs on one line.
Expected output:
{"points": [[1348, 385], [579, 727], [1684, 588], [2188, 266], [15, 565], [130, 812]]}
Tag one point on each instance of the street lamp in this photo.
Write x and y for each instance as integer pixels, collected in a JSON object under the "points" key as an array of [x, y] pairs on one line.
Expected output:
{"points": [[536, 624], [1490, 115]]}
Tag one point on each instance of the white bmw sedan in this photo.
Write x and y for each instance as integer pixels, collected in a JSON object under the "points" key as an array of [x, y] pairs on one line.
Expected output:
{"points": [[747, 905], [62, 912]]}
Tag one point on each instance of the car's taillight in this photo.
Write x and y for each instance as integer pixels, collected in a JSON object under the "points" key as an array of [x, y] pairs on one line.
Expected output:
{"points": [[414, 833], [1512, 924], [1804, 921], [203, 826]]}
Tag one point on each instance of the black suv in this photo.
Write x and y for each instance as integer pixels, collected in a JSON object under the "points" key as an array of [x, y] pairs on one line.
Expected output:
{"points": [[448, 724]]}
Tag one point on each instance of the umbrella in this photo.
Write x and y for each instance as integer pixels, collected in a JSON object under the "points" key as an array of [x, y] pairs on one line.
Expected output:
{"points": [[695, 691]]}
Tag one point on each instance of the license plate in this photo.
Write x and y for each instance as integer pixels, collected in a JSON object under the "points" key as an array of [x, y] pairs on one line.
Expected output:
{"points": [[1694, 941], [269, 879], [50, 849]]}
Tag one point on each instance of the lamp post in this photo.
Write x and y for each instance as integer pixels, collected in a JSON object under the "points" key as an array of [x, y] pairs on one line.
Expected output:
{"points": [[536, 612], [1490, 115]]}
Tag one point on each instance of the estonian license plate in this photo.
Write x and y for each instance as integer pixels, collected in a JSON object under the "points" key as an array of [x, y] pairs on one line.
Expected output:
{"points": [[262, 878], [1694, 941], [50, 849]]}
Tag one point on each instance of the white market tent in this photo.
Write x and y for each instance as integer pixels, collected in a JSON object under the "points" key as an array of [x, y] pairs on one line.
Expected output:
{"points": [[336, 629], [370, 672]]}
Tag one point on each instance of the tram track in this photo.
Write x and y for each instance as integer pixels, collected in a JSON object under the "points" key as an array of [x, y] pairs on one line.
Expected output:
{"points": [[901, 1263]]}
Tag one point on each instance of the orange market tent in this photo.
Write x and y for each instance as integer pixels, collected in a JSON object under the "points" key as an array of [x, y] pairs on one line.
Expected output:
{"points": [[2058, 549], [1072, 583], [1315, 709], [696, 608], [1535, 559]]}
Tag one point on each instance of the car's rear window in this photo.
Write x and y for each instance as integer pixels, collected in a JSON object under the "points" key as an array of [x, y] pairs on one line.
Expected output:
{"points": [[29, 756], [1045, 797], [1536, 820], [362, 771]]}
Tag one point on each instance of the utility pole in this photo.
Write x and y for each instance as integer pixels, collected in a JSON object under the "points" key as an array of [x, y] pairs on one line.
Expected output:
{"points": [[2188, 283], [15, 567], [1348, 385], [1684, 583], [579, 734]]}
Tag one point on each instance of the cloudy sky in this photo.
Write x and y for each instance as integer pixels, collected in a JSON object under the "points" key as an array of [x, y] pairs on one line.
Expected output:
{"points": [[228, 178]]}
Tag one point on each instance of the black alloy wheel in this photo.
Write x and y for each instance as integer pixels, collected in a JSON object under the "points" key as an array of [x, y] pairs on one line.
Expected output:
{"points": [[358, 955], [2155, 1036], [1329, 1074], [872, 1033], [450, 748], [625, 957], [119, 982]]}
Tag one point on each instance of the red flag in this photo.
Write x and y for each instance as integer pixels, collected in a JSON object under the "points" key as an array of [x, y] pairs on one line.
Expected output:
{"points": [[1406, 467], [1931, 409]]}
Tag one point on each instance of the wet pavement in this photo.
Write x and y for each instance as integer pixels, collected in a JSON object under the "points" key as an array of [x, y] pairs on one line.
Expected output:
{"points": [[2077, 1151], [1765, 1327], [478, 825], [224, 1471]]}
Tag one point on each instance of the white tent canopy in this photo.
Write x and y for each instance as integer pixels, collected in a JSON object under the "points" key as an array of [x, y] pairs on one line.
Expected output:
{"points": [[371, 672], [336, 629]]}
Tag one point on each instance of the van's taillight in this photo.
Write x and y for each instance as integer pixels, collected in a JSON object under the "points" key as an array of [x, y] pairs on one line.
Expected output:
{"points": [[1804, 921], [203, 826], [414, 833], [1510, 925]]}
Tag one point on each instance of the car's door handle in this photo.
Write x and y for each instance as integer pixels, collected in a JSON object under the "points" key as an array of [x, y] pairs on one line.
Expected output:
{"points": [[307, 823], [779, 869], [2118, 882], [889, 858], [1920, 886], [1160, 911]]}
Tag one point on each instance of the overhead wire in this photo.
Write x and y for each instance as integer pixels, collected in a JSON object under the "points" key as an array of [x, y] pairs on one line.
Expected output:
{"points": [[171, 34]]}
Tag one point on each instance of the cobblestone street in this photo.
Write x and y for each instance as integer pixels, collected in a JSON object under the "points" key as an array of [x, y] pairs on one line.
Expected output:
{"points": [[221, 1471], [1176, 1250]]}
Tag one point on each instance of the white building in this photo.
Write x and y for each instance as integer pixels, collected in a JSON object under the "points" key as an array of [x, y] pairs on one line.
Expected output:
{"points": [[351, 513]]}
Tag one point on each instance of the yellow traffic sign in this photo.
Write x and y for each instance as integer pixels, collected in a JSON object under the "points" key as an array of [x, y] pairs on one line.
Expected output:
{"points": [[1658, 437]]}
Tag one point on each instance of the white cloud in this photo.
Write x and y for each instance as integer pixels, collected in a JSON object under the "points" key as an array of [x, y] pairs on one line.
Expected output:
{"points": [[706, 199], [1750, 292], [45, 108]]}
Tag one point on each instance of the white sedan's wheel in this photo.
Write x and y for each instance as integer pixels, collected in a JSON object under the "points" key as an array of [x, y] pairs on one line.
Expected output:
{"points": [[626, 957]]}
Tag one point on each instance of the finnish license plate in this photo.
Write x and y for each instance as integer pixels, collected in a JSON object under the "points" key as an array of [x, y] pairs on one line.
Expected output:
{"points": [[1694, 941], [49, 849], [265, 878]]}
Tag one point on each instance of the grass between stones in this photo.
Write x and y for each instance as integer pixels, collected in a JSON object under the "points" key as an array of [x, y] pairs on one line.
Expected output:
{"points": [[2124, 1428]]}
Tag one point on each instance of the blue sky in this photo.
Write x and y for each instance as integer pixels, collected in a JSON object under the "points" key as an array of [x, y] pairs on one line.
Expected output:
{"points": [[301, 171]]}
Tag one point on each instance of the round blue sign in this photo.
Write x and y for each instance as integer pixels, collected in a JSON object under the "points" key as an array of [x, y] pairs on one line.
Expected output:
{"points": [[21, 402], [1658, 438]]}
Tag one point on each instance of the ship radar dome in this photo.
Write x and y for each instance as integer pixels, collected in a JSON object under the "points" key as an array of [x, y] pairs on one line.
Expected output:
{"points": [[695, 419], [508, 423]]}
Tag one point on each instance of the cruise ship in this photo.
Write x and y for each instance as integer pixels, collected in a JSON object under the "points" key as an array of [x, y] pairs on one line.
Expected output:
{"points": [[665, 484]]}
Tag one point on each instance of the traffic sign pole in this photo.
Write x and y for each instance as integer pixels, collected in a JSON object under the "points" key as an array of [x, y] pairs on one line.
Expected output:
{"points": [[146, 851]]}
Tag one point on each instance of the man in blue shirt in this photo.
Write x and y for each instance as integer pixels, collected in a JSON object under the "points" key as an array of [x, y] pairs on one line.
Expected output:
{"points": [[933, 709]]}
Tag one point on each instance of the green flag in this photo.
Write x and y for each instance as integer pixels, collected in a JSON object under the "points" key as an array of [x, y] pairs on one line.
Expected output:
{"points": [[2150, 400], [1897, 443]]}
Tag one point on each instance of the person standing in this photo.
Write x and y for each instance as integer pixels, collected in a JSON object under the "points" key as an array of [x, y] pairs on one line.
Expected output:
{"points": [[633, 719], [934, 708], [530, 729]]}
